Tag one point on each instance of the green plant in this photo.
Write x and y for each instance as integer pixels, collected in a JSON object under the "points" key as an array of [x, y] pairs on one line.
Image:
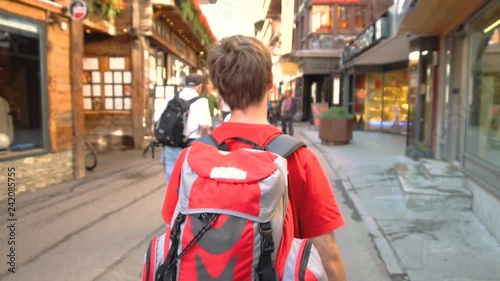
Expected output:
{"points": [[107, 9], [198, 23], [336, 112]]}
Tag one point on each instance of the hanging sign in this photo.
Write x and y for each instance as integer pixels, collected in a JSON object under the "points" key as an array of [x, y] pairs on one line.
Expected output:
{"points": [[78, 9]]}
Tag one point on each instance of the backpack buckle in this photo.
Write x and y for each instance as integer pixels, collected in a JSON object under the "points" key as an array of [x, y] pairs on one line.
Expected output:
{"points": [[267, 246]]}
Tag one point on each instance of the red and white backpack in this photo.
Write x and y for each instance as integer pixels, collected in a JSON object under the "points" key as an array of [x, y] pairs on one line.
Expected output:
{"points": [[233, 220]]}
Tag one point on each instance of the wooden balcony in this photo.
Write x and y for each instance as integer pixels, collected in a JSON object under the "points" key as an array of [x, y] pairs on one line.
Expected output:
{"points": [[97, 24], [168, 12]]}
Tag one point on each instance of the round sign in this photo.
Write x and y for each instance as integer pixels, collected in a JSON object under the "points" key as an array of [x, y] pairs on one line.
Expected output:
{"points": [[78, 9]]}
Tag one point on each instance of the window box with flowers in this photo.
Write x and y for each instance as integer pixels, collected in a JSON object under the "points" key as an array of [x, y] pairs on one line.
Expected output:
{"points": [[106, 9]]}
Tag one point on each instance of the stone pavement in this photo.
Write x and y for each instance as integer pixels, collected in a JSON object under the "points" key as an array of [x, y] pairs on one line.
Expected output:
{"points": [[420, 237]]}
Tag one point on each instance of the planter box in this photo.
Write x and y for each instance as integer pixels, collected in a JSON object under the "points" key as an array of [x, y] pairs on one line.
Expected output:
{"points": [[335, 131]]}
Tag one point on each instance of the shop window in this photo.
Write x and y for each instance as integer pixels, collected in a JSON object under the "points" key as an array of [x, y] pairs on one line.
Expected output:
{"points": [[322, 18], [371, 93], [343, 18], [483, 131], [319, 41], [107, 83], [395, 105], [23, 126], [359, 17]]}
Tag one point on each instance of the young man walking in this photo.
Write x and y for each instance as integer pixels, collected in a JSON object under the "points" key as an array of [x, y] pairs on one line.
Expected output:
{"points": [[198, 122], [240, 69]]}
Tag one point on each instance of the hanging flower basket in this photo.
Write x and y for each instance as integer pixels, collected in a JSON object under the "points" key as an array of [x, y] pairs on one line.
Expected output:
{"points": [[106, 9]]}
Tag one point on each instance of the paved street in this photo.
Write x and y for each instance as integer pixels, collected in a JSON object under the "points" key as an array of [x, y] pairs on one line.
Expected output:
{"points": [[98, 228], [424, 237]]}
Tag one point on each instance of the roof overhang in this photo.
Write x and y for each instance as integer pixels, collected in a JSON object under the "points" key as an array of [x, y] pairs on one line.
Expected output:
{"points": [[274, 11], [316, 53], [179, 26], [436, 17], [388, 51]]}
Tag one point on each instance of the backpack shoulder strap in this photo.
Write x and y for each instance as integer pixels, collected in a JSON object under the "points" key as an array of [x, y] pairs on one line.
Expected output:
{"points": [[208, 139], [191, 101], [284, 145]]}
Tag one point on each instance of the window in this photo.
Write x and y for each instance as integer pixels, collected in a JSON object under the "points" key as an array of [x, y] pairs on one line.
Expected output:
{"points": [[322, 18], [22, 86], [107, 83], [483, 132], [343, 17], [320, 41], [359, 17]]}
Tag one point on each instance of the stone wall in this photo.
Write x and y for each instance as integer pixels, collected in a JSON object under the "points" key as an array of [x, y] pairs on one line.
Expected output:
{"points": [[486, 205], [37, 172], [109, 131]]}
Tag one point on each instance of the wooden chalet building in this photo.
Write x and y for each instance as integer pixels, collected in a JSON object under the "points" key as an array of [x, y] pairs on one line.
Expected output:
{"points": [[64, 81], [130, 65]]}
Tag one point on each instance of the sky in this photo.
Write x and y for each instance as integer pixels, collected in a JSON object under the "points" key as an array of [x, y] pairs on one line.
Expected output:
{"points": [[233, 17]]}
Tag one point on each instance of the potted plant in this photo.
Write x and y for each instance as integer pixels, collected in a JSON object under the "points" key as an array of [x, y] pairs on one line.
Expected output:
{"points": [[335, 126]]}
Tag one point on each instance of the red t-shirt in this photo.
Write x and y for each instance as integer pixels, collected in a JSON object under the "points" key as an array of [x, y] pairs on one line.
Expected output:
{"points": [[315, 210]]}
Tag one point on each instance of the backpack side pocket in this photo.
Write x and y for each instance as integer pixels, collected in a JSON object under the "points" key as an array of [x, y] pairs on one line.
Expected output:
{"points": [[303, 263], [154, 257]]}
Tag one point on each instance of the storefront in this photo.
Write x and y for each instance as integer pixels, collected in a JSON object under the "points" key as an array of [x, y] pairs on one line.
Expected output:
{"points": [[482, 130], [37, 114], [380, 101], [135, 73], [376, 82], [461, 62]]}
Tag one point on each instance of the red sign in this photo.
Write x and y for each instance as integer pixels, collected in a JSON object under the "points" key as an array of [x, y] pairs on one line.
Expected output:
{"points": [[335, 1], [78, 9]]}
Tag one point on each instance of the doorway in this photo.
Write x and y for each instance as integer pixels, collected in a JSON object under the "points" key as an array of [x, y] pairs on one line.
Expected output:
{"points": [[452, 120]]}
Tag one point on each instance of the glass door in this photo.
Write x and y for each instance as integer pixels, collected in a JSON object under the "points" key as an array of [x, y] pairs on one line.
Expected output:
{"points": [[452, 120]]}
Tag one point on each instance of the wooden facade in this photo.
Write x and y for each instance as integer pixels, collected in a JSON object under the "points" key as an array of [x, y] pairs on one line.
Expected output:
{"points": [[149, 37], [73, 71], [44, 146]]}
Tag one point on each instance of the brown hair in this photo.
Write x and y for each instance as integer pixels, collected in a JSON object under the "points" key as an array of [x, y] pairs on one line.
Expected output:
{"points": [[240, 69]]}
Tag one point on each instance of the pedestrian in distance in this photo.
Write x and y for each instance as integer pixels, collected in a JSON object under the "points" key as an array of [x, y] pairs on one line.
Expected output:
{"points": [[213, 102], [224, 108], [287, 109], [273, 113], [196, 123], [240, 69]]}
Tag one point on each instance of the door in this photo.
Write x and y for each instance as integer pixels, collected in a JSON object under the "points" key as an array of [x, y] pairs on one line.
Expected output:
{"points": [[452, 119]]}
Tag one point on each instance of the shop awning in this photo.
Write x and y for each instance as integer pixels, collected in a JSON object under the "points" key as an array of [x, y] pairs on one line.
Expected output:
{"points": [[435, 17], [389, 50]]}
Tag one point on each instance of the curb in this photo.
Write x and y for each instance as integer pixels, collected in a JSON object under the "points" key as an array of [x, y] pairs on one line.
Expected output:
{"points": [[382, 244]]}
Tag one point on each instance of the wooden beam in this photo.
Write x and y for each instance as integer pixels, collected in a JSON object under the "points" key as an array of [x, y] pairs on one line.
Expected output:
{"points": [[76, 45], [138, 76], [43, 4]]}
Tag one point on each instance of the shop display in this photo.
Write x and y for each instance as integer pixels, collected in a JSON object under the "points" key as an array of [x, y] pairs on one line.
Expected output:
{"points": [[381, 101], [395, 104], [374, 102]]}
